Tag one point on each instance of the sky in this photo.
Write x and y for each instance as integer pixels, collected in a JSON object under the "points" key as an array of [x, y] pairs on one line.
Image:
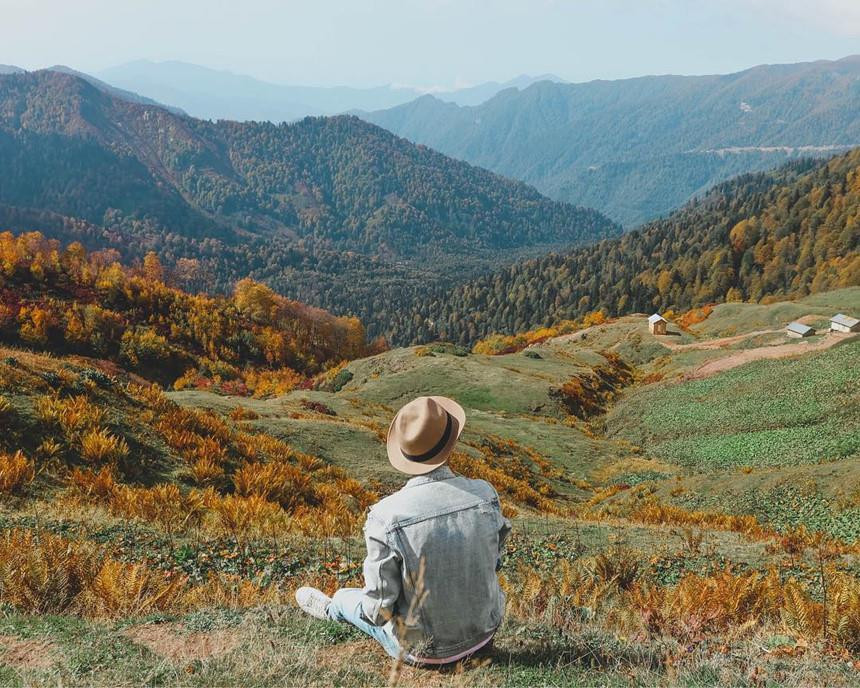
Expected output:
{"points": [[429, 43]]}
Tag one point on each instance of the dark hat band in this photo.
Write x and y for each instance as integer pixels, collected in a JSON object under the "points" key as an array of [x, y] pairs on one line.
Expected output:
{"points": [[439, 446]]}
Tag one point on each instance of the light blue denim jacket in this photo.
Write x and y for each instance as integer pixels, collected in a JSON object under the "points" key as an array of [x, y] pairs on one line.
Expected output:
{"points": [[451, 530]]}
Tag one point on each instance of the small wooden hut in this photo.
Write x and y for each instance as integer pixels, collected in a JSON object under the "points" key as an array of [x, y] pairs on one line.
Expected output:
{"points": [[798, 329], [657, 324], [844, 323]]}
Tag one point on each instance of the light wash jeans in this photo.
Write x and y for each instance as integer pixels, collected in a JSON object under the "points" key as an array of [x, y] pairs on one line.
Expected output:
{"points": [[346, 606]]}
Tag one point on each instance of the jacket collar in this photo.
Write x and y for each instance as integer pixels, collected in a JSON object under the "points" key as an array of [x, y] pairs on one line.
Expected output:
{"points": [[441, 473]]}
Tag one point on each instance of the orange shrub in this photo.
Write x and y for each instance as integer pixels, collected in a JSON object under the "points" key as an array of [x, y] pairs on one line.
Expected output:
{"points": [[268, 383], [653, 511], [694, 316], [242, 413], [93, 485], [593, 318], [242, 517], [73, 415], [206, 470], [497, 344], [164, 504]]}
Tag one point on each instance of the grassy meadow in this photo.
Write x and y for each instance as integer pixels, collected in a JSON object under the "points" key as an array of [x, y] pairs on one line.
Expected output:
{"points": [[671, 526]]}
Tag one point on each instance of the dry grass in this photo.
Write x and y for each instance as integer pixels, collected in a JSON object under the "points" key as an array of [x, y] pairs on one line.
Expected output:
{"points": [[516, 471], [6, 409], [41, 573], [174, 643], [101, 446], [656, 512], [16, 472], [607, 591], [333, 506], [27, 653], [44, 574], [74, 415], [206, 470]]}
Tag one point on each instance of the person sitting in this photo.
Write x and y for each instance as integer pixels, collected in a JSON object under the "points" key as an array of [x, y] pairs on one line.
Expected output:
{"points": [[431, 594]]}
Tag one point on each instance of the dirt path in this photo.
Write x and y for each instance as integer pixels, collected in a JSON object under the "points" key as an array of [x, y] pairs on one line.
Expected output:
{"points": [[738, 358], [709, 344], [27, 653], [172, 642]]}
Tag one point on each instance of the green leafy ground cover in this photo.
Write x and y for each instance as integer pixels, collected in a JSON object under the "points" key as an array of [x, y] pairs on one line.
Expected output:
{"points": [[765, 413]]}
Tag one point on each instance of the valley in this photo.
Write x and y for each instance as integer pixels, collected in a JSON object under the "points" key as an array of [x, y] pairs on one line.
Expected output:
{"points": [[311, 208], [762, 237], [631, 286]]}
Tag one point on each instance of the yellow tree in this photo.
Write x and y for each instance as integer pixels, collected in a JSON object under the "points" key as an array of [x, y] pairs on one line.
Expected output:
{"points": [[153, 271]]}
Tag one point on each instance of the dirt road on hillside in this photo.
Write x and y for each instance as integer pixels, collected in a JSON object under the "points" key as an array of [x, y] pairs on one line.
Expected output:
{"points": [[709, 344], [738, 358]]}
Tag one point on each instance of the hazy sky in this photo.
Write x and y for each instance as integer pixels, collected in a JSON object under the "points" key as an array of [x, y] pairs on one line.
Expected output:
{"points": [[429, 42]]}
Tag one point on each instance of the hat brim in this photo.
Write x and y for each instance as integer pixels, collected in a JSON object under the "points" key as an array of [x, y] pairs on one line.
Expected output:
{"points": [[404, 465]]}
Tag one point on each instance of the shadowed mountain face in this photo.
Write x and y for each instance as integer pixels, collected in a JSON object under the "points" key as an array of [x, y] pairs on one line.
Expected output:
{"points": [[319, 208], [637, 148]]}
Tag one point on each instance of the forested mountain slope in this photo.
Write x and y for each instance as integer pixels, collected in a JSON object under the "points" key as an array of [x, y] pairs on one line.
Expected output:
{"points": [[75, 150], [637, 148], [764, 236], [316, 208]]}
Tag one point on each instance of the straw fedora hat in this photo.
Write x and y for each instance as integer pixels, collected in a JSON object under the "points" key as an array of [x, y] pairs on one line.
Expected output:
{"points": [[423, 434]]}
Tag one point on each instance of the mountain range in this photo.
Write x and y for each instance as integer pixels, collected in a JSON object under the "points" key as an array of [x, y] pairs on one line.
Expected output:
{"points": [[217, 94], [325, 209], [637, 148], [344, 215]]}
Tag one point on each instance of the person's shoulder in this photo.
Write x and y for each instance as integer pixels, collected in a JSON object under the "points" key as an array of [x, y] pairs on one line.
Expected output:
{"points": [[384, 511], [480, 486]]}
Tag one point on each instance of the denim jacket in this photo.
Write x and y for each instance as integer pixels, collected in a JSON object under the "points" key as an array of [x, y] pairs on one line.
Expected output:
{"points": [[433, 550]]}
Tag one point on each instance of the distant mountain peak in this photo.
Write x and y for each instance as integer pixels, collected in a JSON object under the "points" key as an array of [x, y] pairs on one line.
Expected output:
{"points": [[222, 94], [120, 93]]}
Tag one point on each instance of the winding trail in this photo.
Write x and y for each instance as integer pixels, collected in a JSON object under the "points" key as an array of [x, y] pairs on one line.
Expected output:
{"points": [[738, 358], [710, 344]]}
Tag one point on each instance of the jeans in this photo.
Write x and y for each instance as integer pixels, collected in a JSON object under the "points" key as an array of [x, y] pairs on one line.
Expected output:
{"points": [[346, 606]]}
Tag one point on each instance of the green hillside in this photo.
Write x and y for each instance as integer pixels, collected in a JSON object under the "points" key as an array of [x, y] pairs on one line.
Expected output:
{"points": [[778, 413], [637, 148]]}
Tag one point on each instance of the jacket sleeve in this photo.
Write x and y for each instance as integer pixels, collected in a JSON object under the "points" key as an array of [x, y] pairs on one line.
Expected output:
{"points": [[504, 530], [382, 571]]}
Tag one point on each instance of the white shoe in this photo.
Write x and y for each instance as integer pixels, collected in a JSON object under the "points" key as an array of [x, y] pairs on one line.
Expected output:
{"points": [[313, 601]]}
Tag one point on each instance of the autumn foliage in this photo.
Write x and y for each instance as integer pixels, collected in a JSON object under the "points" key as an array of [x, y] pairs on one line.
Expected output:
{"points": [[497, 344], [41, 573], [67, 300], [16, 471], [611, 589]]}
